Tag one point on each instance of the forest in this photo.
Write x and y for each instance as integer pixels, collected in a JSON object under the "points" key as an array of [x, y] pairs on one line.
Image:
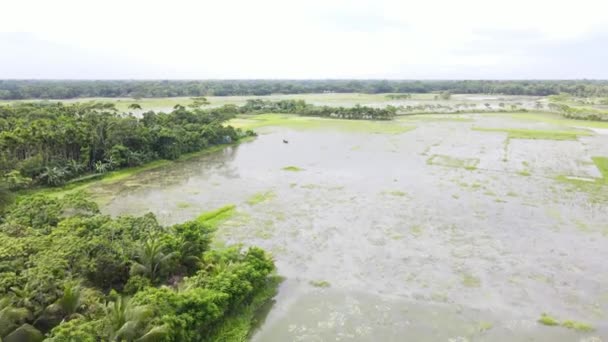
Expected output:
{"points": [[69, 273], [50, 144], [69, 89], [53, 143]]}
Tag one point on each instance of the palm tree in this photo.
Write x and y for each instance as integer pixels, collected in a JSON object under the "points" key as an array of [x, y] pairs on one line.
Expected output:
{"points": [[188, 255], [129, 322], [54, 175], [69, 303], [150, 258]]}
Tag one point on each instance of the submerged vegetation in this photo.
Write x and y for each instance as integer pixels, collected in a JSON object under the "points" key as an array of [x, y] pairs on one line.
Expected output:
{"points": [[442, 160], [260, 197], [293, 168], [72, 274], [535, 134], [546, 319]]}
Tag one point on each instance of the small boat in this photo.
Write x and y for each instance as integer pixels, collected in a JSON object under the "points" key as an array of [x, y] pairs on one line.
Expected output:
{"points": [[285, 141]]}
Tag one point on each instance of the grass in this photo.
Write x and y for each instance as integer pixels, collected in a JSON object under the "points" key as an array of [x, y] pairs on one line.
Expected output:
{"points": [[292, 168], [469, 280], [319, 283], [558, 120], [315, 123], [416, 230], [183, 205], [548, 320], [596, 188], [602, 164], [260, 197], [449, 161], [534, 134], [213, 218], [578, 326], [545, 319]]}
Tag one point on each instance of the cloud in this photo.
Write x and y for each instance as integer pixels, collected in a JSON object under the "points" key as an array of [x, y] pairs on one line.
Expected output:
{"points": [[312, 39]]}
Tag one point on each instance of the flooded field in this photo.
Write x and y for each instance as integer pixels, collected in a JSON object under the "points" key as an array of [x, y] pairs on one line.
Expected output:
{"points": [[444, 228]]}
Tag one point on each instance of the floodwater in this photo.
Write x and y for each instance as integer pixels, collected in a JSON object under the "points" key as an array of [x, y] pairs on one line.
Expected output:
{"points": [[441, 233]]}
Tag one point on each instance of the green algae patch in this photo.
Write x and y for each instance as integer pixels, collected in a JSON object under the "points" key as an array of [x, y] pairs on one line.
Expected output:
{"points": [[183, 205], [578, 326], [292, 168], [548, 320], [260, 197], [469, 280], [212, 219], [319, 283], [545, 319], [449, 161], [533, 134]]}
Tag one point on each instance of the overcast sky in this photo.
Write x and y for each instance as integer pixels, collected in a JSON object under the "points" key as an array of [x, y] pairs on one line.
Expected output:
{"points": [[197, 39]]}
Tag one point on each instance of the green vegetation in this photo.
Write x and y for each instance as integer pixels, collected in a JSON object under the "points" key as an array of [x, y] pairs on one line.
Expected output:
{"points": [[213, 218], [578, 326], [546, 319], [50, 144], [449, 161], [535, 134], [469, 280], [596, 188], [73, 274], [303, 122], [260, 197], [292, 168], [602, 164], [300, 107], [319, 283], [42, 89], [557, 120]]}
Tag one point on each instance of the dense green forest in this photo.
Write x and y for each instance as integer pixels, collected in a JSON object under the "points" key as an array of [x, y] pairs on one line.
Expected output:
{"points": [[64, 89], [69, 273], [52, 143]]}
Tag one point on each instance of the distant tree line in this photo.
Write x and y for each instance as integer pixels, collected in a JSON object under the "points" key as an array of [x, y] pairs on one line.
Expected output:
{"points": [[60, 89], [300, 107]]}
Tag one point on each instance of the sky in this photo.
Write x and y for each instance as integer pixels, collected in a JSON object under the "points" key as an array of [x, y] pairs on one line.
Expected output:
{"points": [[307, 39]]}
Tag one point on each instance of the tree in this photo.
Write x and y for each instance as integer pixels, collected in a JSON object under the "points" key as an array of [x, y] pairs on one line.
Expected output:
{"points": [[134, 106], [149, 260], [128, 322], [69, 303], [198, 102]]}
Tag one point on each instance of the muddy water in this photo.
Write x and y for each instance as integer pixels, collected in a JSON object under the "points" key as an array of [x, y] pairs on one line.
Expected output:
{"points": [[433, 234]]}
